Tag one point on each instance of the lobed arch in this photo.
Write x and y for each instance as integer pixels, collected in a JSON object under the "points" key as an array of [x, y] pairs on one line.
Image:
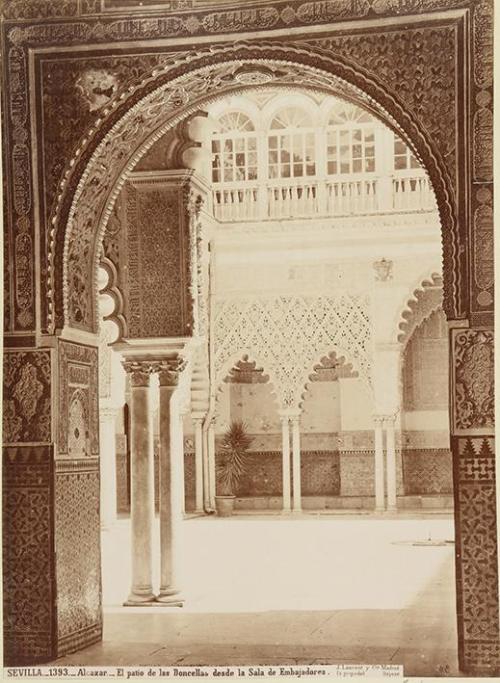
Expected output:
{"points": [[252, 357], [346, 360], [427, 297], [341, 361], [143, 114]]}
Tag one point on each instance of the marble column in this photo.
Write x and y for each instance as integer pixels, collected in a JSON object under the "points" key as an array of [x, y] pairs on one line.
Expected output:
{"points": [[198, 462], [142, 482], [391, 463], [206, 472], [107, 461], [285, 449], [297, 493], [211, 463], [169, 482], [379, 465]]}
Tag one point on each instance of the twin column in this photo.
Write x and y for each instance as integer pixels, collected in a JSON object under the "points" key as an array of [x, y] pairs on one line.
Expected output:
{"points": [[142, 481], [381, 481]]}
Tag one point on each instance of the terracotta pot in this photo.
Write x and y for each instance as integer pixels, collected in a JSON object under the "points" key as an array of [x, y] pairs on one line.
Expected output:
{"points": [[224, 505]]}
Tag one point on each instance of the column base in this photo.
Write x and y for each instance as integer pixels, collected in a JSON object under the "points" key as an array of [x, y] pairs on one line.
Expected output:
{"points": [[169, 597], [137, 599]]}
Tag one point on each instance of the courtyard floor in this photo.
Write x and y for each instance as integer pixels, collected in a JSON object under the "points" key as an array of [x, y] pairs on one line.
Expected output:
{"points": [[312, 589]]}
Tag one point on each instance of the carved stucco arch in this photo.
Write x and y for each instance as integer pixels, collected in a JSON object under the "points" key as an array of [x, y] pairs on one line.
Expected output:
{"points": [[343, 361], [425, 299], [253, 357], [143, 114]]}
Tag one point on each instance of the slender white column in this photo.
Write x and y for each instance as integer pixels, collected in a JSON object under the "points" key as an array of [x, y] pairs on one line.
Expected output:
{"points": [[142, 482], [198, 463], [206, 472], [170, 492], [211, 462], [180, 461], [391, 464], [285, 449], [107, 459], [379, 465], [297, 494]]}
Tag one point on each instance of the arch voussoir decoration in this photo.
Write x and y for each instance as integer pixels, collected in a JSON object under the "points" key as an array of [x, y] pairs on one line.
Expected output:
{"points": [[135, 121]]}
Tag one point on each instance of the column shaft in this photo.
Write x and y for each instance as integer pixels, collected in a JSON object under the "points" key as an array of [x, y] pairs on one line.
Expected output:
{"points": [[211, 463], [297, 492], [391, 465], [142, 490], [285, 434], [169, 447], [198, 463], [107, 458], [379, 466]]}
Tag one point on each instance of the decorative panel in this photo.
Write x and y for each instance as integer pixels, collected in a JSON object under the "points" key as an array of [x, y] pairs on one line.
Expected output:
{"points": [[320, 473], [473, 380], [78, 401], [157, 301], [287, 335], [27, 396], [28, 554], [482, 247], [357, 473], [76, 500], [427, 471], [77, 542], [477, 550]]}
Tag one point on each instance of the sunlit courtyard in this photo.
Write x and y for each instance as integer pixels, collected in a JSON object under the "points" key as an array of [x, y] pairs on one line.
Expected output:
{"points": [[320, 589]]}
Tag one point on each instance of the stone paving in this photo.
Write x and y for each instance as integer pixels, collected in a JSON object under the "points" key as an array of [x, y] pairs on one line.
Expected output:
{"points": [[282, 590]]}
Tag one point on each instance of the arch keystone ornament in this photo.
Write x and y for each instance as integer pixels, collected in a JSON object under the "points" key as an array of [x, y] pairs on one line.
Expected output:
{"points": [[408, 69]]}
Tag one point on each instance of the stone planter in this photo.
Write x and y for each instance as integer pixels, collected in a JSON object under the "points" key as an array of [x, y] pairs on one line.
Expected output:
{"points": [[224, 505]]}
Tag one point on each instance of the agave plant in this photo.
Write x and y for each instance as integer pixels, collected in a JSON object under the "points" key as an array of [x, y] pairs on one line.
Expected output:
{"points": [[233, 447]]}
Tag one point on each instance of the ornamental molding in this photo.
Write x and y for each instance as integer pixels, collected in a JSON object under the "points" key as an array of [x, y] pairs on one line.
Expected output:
{"points": [[103, 177], [288, 336]]}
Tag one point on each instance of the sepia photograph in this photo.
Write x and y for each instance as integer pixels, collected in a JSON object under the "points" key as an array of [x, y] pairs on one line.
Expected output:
{"points": [[248, 359]]}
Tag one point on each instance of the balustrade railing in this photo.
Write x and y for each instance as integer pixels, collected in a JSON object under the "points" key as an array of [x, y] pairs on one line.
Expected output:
{"points": [[236, 203], [412, 193], [303, 198], [292, 200], [351, 197]]}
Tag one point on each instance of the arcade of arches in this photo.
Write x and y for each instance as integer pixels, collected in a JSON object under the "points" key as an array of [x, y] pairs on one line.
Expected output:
{"points": [[275, 233]]}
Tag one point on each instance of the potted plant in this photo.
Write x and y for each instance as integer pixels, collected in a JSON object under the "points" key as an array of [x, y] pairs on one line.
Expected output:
{"points": [[231, 466]]}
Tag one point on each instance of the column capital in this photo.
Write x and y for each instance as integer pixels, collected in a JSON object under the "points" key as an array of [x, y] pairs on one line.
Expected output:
{"points": [[168, 371], [198, 418], [139, 371], [378, 420]]}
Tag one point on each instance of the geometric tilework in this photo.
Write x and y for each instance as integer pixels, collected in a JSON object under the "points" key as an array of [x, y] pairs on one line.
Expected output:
{"points": [[77, 541], [477, 554], [427, 471], [28, 557]]}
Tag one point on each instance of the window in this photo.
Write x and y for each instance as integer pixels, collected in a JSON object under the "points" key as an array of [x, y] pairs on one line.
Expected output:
{"points": [[291, 145], [350, 151], [234, 149], [403, 156], [350, 140]]}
